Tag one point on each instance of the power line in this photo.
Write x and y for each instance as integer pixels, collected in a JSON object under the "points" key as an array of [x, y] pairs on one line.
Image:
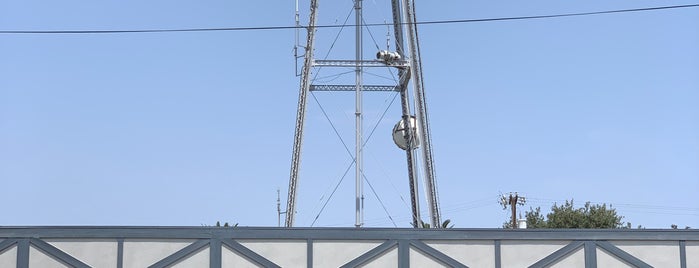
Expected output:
{"points": [[260, 28], [644, 207]]}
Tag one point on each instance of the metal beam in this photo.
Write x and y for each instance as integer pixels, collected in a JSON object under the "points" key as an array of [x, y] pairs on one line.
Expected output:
{"points": [[27, 237], [558, 255], [623, 255], [181, 254], [348, 233], [439, 256], [361, 63], [249, 254], [372, 88], [7, 243], [58, 254], [371, 254]]}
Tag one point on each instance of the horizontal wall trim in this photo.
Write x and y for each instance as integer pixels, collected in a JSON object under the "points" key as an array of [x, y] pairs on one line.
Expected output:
{"points": [[139, 232]]}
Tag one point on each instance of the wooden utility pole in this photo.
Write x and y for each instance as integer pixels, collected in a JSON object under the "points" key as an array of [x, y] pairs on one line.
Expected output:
{"points": [[512, 200]]}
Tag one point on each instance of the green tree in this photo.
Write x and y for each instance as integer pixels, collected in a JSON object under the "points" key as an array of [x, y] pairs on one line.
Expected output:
{"points": [[445, 224], [535, 219], [567, 216]]}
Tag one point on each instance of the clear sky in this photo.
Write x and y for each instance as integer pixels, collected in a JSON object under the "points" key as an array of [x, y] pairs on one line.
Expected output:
{"points": [[191, 128]]}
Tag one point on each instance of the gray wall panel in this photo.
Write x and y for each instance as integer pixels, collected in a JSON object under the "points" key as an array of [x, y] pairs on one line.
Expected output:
{"points": [[165, 246]]}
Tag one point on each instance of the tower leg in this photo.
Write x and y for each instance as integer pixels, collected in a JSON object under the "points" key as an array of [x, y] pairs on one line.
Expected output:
{"points": [[421, 111], [300, 116]]}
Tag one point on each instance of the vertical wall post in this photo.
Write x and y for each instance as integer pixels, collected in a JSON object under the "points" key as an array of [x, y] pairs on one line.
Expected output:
{"points": [[23, 253], [403, 254], [309, 253], [590, 254], [215, 254], [498, 254], [120, 253], [683, 254]]}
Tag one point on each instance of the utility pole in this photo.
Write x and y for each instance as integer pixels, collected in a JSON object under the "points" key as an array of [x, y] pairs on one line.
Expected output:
{"points": [[512, 200]]}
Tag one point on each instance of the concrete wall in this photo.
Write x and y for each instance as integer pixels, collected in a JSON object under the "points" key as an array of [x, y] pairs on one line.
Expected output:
{"points": [[49, 247]]}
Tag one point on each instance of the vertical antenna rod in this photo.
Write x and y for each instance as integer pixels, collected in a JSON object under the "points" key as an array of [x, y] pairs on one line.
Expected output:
{"points": [[298, 23], [359, 198], [279, 209], [296, 38]]}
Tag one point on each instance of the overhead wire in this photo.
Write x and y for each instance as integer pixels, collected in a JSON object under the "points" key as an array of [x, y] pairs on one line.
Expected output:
{"points": [[332, 125], [383, 115], [350, 153], [379, 199], [337, 133], [390, 181], [260, 28], [332, 45], [376, 44], [381, 76], [371, 34], [393, 99], [629, 205], [485, 202], [337, 185], [329, 78]]}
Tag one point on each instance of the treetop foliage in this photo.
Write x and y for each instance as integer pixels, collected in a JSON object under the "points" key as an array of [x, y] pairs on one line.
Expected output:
{"points": [[590, 216]]}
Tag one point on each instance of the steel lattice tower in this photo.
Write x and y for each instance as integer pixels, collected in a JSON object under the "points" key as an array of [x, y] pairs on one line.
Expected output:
{"points": [[414, 128]]}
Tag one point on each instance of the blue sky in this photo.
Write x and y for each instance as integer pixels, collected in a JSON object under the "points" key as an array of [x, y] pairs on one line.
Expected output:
{"points": [[191, 128]]}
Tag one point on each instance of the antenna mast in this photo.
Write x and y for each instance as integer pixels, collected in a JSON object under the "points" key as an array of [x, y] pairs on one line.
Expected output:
{"points": [[279, 209], [359, 198], [410, 133]]}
